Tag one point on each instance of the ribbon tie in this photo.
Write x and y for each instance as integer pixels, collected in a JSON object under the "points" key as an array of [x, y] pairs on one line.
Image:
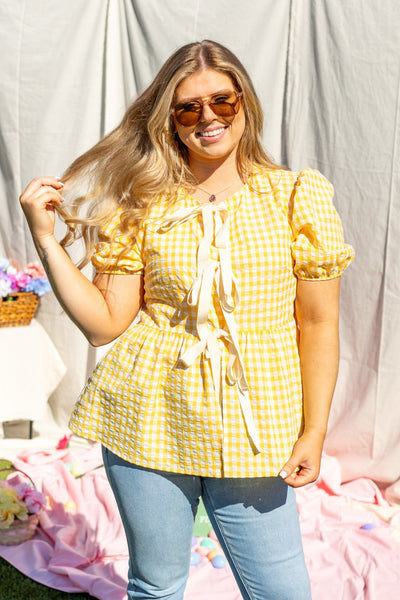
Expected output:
{"points": [[216, 227]]}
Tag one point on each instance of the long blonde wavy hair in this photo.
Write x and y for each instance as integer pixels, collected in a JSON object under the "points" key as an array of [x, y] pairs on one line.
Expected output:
{"points": [[143, 157]]}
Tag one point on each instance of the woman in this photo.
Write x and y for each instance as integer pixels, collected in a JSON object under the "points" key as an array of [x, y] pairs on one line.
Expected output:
{"points": [[221, 387]]}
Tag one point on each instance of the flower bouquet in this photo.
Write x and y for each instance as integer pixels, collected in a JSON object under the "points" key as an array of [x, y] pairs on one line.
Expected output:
{"points": [[20, 291], [20, 508]]}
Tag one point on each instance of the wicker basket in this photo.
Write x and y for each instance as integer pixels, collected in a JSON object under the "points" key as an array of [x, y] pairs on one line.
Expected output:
{"points": [[18, 309], [19, 531]]}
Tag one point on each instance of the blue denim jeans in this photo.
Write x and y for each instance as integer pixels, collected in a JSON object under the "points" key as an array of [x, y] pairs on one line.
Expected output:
{"points": [[255, 519]]}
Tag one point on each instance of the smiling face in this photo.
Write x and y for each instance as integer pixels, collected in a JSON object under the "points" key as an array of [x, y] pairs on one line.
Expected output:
{"points": [[214, 138]]}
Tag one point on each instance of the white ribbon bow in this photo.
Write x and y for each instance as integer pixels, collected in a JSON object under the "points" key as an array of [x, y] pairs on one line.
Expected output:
{"points": [[216, 226]]}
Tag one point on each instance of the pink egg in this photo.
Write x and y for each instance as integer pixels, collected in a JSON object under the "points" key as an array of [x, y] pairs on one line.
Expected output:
{"points": [[203, 550], [212, 535]]}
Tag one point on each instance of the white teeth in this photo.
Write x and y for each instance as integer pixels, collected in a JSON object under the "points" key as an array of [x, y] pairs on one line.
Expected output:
{"points": [[212, 133]]}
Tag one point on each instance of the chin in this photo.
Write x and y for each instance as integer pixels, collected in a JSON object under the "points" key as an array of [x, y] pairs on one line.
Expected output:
{"points": [[212, 152]]}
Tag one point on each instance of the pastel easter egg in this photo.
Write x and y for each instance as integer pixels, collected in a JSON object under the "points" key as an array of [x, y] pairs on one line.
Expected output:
{"points": [[76, 469], [194, 540], [195, 558], [219, 561], [368, 526], [212, 553], [207, 543], [203, 550], [212, 535], [70, 505]]}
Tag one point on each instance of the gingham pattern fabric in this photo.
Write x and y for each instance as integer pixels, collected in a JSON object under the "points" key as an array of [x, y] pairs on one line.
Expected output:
{"points": [[217, 319]]}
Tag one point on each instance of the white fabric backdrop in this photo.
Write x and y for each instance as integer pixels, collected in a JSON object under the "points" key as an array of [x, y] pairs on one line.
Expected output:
{"points": [[342, 116], [327, 73]]}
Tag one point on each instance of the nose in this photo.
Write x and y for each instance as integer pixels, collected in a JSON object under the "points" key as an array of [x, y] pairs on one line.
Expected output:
{"points": [[207, 113]]}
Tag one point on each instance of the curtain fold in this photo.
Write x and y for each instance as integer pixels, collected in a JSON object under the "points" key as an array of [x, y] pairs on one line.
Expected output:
{"points": [[342, 117]]}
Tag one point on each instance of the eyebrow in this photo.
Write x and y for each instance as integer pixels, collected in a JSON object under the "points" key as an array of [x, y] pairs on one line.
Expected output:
{"points": [[191, 99]]}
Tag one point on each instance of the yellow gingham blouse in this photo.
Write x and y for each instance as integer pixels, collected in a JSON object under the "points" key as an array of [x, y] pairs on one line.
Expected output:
{"points": [[207, 382]]}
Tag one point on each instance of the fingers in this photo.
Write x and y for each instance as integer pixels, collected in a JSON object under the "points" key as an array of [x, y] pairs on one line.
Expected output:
{"points": [[38, 182], [48, 195], [298, 476], [42, 192], [303, 465], [39, 201]]}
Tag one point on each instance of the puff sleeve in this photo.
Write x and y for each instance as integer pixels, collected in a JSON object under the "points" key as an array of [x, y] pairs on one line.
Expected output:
{"points": [[318, 248], [110, 255]]}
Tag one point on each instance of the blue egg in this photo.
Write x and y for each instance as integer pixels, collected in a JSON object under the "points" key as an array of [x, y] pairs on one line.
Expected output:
{"points": [[368, 526], [219, 561], [194, 540], [195, 558]]}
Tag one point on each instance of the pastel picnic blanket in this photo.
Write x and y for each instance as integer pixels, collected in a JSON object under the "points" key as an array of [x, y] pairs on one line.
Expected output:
{"points": [[351, 535]]}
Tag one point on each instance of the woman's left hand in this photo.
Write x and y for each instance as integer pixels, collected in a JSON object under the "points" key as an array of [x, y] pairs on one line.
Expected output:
{"points": [[304, 464]]}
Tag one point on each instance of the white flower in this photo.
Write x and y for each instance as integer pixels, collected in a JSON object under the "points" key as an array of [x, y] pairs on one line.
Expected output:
{"points": [[5, 286]]}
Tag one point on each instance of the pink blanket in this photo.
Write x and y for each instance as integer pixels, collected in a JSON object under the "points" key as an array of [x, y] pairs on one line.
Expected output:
{"points": [[351, 552]]}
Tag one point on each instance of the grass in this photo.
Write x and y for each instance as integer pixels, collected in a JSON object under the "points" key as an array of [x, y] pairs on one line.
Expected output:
{"points": [[16, 586]]}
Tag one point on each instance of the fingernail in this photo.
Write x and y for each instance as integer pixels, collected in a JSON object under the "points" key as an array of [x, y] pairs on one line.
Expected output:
{"points": [[283, 474]]}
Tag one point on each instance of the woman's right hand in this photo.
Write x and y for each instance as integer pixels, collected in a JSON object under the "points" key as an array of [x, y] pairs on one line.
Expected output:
{"points": [[38, 202]]}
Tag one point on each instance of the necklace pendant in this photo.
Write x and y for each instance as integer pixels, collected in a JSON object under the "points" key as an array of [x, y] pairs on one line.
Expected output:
{"points": [[212, 198]]}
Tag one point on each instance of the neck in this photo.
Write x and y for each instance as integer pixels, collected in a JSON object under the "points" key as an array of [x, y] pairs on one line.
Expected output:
{"points": [[215, 173]]}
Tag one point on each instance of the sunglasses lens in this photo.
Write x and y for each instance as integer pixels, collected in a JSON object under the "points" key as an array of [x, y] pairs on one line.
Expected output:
{"points": [[222, 110], [223, 106], [188, 115]]}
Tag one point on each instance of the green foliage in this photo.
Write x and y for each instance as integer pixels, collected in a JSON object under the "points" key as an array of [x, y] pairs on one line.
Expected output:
{"points": [[6, 467], [16, 586]]}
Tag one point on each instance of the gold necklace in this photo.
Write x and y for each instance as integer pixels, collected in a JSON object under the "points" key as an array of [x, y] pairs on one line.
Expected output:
{"points": [[213, 197]]}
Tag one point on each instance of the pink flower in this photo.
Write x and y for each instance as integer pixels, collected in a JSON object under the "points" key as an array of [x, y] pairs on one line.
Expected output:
{"points": [[35, 270], [31, 279], [22, 489], [13, 282], [20, 280], [64, 442], [32, 499]]}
